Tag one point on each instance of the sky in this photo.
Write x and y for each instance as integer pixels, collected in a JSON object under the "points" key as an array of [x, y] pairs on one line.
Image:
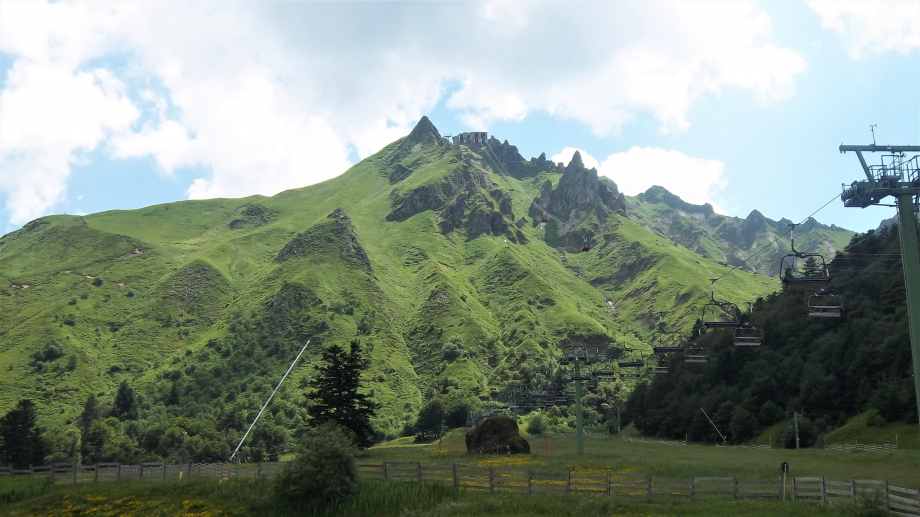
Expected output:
{"points": [[739, 104]]}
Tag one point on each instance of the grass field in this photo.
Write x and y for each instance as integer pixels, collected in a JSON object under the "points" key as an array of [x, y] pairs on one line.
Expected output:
{"points": [[374, 498], [901, 467]]}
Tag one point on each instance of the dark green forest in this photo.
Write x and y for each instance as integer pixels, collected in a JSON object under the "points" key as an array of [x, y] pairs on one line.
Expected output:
{"points": [[832, 368]]}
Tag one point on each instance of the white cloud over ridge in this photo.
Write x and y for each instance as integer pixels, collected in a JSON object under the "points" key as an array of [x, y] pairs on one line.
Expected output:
{"points": [[695, 180], [872, 26], [271, 96]]}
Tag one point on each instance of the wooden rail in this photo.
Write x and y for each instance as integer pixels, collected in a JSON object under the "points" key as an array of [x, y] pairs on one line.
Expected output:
{"points": [[895, 500]]}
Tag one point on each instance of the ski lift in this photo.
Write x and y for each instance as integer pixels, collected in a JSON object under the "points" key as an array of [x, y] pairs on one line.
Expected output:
{"points": [[823, 304], [810, 275], [660, 365], [545, 217], [668, 347], [748, 335], [696, 354], [604, 373], [585, 246], [629, 367], [719, 314]]}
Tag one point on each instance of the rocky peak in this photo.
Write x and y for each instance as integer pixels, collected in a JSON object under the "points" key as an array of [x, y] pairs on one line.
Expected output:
{"points": [[657, 194], [339, 214], [424, 130]]}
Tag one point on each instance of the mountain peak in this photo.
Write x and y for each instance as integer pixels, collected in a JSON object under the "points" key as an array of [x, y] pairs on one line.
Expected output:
{"points": [[422, 129], [659, 194], [576, 162]]}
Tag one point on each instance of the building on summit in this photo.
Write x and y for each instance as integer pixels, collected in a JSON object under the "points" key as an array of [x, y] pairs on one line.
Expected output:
{"points": [[471, 138]]}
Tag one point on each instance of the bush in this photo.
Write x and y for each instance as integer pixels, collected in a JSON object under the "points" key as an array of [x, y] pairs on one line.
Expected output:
{"points": [[496, 435], [324, 470], [97, 282], [537, 425]]}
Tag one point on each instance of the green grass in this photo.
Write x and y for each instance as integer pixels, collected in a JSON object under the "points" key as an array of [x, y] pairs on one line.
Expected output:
{"points": [[602, 455], [856, 430], [374, 498]]}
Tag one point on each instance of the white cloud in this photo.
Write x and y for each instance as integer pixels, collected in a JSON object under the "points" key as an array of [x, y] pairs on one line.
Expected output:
{"points": [[872, 26], [271, 96], [695, 180]]}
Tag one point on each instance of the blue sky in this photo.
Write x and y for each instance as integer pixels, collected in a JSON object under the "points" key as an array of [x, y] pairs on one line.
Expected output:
{"points": [[117, 106]]}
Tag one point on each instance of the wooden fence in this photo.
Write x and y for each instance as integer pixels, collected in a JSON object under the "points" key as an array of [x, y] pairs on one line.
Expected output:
{"points": [[560, 482], [896, 500], [145, 472], [861, 447], [653, 442]]}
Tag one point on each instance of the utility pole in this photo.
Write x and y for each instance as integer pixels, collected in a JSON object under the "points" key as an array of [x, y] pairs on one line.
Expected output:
{"points": [[899, 177], [579, 428], [795, 420]]}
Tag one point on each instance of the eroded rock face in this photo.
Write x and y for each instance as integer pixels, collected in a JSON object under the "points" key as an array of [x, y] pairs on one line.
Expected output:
{"points": [[496, 435]]}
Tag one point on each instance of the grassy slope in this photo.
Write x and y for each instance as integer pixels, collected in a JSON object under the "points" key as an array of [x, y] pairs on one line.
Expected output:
{"points": [[196, 262]]}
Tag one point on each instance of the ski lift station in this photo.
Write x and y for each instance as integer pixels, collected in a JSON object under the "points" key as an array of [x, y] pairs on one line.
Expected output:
{"points": [[478, 137]]}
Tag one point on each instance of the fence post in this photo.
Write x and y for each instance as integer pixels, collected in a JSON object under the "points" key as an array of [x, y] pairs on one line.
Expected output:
{"points": [[530, 483], [608, 484], [456, 482], [140, 471], [75, 473], [692, 486], [568, 482], [96, 473], [887, 499], [823, 490], [649, 480], [491, 479], [385, 470], [735, 489], [164, 471], [52, 477], [237, 470], [418, 470], [853, 490], [259, 470], [190, 471], [31, 472], [794, 492]]}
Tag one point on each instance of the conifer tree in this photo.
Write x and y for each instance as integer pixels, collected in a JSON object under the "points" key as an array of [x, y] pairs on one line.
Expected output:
{"points": [[125, 406], [21, 442], [334, 393]]}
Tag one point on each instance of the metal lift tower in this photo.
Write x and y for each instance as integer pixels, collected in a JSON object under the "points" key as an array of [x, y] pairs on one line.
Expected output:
{"points": [[897, 176]]}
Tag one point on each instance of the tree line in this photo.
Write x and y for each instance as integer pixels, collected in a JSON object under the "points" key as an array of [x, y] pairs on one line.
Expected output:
{"points": [[832, 368]]}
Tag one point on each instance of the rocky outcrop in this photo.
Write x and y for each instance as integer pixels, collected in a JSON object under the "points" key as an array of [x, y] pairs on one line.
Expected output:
{"points": [[656, 194], [317, 240]]}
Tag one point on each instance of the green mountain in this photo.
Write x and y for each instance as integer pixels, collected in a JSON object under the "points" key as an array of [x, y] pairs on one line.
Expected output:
{"points": [[433, 256], [731, 240], [832, 368]]}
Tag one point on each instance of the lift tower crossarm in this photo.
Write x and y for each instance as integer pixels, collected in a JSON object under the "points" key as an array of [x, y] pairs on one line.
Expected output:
{"points": [[859, 149]]}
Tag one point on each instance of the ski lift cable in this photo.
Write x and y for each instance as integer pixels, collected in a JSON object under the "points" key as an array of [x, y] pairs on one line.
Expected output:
{"points": [[504, 171], [269, 399], [774, 241]]}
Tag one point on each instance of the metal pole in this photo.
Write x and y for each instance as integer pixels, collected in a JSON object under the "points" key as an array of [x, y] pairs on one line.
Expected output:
{"points": [[911, 260], [724, 442], [579, 429], [267, 401], [795, 419]]}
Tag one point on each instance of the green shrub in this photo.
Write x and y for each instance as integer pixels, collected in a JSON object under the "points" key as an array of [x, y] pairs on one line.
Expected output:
{"points": [[97, 282], [537, 425], [324, 469]]}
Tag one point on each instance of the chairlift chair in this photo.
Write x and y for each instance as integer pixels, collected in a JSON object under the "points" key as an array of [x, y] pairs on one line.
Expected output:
{"points": [[696, 354], [629, 368], [823, 304], [659, 366], [793, 277], [748, 335], [545, 218], [718, 314], [585, 246]]}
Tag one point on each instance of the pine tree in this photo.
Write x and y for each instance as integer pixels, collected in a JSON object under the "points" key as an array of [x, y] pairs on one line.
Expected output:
{"points": [[125, 406], [811, 268], [87, 417], [21, 442], [335, 397]]}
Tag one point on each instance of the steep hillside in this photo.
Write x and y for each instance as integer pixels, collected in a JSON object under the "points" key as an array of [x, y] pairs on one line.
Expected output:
{"points": [[731, 240], [433, 256], [832, 368]]}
